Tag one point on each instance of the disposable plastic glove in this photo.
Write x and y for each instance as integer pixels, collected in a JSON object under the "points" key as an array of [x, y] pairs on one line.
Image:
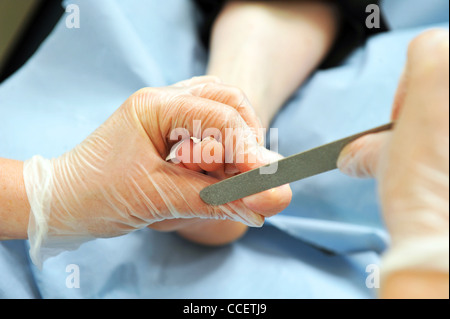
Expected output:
{"points": [[411, 163], [118, 179]]}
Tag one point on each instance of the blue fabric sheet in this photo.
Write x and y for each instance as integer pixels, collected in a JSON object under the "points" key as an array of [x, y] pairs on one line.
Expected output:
{"points": [[319, 247]]}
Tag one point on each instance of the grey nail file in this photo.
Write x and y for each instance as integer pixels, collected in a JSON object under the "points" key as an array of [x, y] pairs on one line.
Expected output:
{"points": [[290, 169]]}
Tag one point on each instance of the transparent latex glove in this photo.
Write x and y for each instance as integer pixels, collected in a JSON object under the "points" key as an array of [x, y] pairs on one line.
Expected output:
{"points": [[118, 179], [411, 163]]}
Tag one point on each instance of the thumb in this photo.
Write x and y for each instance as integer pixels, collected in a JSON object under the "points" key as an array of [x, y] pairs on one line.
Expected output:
{"points": [[361, 158], [272, 201], [184, 201]]}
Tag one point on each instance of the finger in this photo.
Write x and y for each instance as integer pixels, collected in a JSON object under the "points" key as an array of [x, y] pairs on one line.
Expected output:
{"points": [[361, 158], [212, 155], [242, 152], [187, 154], [185, 186], [208, 155], [255, 158], [233, 97], [210, 118], [272, 201], [193, 116]]}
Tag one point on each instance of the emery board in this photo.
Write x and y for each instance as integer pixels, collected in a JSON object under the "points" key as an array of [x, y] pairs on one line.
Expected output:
{"points": [[290, 169]]}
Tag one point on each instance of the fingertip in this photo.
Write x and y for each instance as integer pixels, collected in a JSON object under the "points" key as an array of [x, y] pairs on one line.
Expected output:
{"points": [[257, 157], [270, 202], [186, 155], [345, 157], [361, 157], [212, 155], [352, 161]]}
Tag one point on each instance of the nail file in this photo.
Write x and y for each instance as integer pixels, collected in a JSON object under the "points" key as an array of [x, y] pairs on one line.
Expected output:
{"points": [[290, 169]]}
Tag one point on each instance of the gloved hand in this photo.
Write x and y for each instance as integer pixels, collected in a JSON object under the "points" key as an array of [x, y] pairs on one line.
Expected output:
{"points": [[411, 163], [118, 179]]}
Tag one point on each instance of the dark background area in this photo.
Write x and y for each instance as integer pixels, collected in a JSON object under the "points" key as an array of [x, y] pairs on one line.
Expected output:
{"points": [[41, 24], [353, 33]]}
